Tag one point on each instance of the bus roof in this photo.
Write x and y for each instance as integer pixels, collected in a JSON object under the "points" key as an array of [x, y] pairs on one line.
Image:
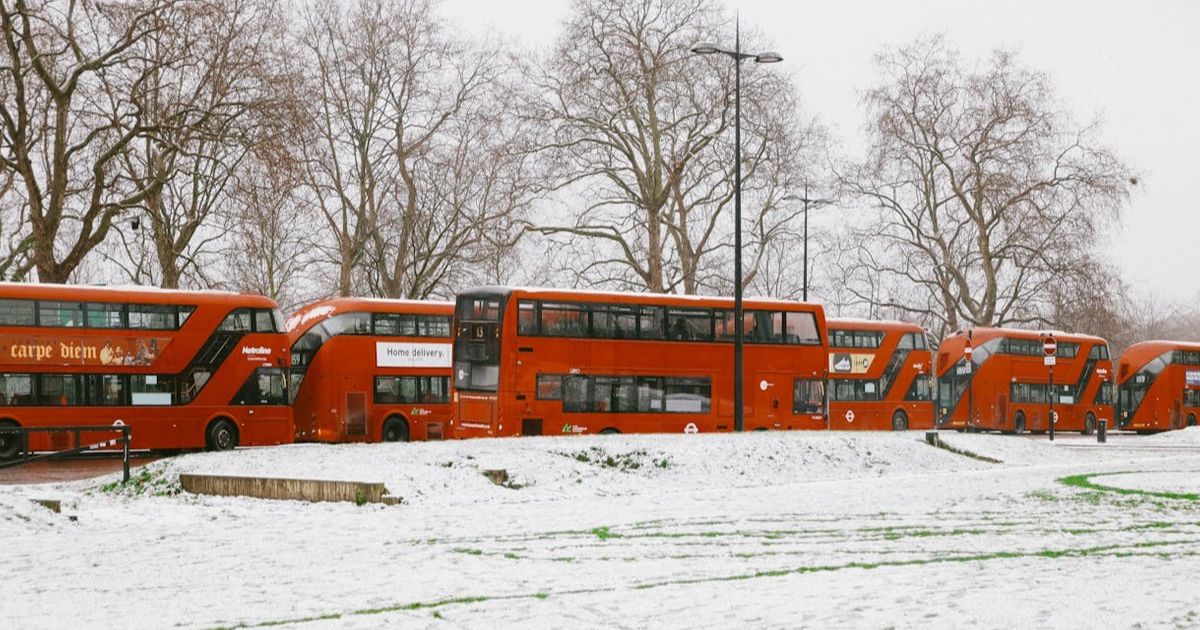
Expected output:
{"points": [[1144, 351], [983, 334], [852, 323], [306, 315], [632, 297], [129, 293]]}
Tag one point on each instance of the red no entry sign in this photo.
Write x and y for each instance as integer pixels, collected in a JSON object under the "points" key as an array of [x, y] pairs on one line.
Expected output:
{"points": [[1049, 346]]}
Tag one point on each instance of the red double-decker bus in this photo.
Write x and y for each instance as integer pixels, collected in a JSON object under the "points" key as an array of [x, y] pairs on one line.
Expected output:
{"points": [[371, 370], [1006, 386], [543, 361], [184, 369], [880, 376], [1158, 386]]}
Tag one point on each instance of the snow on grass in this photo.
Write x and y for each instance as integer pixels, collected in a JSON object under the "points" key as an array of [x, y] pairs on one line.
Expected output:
{"points": [[550, 468], [761, 530]]}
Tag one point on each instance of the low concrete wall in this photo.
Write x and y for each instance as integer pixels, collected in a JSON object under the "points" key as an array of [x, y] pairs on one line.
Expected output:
{"points": [[284, 489]]}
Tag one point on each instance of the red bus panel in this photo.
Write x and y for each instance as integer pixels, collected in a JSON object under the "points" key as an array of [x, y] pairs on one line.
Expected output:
{"points": [[368, 370], [545, 362], [1006, 386], [880, 376], [1158, 386], [184, 369]]}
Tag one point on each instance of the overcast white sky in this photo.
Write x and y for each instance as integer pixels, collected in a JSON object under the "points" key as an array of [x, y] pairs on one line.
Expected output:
{"points": [[1136, 65]]}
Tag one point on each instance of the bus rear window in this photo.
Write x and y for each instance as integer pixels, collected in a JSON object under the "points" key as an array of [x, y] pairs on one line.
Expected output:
{"points": [[479, 308]]}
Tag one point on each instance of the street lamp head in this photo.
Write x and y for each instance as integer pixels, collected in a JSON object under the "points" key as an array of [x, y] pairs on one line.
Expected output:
{"points": [[768, 57], [705, 48]]}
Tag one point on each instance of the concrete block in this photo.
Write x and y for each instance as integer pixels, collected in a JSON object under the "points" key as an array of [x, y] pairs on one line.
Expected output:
{"points": [[313, 490]]}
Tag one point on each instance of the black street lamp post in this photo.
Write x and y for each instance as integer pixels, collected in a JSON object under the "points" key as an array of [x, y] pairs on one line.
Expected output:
{"points": [[813, 204], [738, 56]]}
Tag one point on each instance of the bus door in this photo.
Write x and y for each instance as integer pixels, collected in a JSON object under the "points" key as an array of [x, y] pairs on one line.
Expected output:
{"points": [[355, 417], [1176, 414], [1001, 410], [767, 404]]}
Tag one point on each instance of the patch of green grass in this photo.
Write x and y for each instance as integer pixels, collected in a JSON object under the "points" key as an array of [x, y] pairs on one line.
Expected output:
{"points": [[1085, 482], [1153, 525], [930, 533], [604, 533], [624, 462], [468, 551], [939, 443], [1044, 495], [149, 481]]}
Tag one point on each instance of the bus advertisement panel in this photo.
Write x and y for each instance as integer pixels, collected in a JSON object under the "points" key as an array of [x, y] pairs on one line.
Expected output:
{"points": [[1158, 386], [544, 362], [184, 369], [880, 376], [1005, 383], [371, 370]]}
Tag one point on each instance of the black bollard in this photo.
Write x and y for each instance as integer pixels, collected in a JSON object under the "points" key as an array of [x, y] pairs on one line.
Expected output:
{"points": [[1102, 432]]}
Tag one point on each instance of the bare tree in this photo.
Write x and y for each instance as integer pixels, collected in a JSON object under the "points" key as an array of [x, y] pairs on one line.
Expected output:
{"points": [[266, 248], [212, 59], [407, 154], [985, 194], [640, 129], [1147, 316], [64, 125], [15, 262]]}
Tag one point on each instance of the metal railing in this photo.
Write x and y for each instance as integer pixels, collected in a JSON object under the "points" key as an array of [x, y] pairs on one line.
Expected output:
{"points": [[25, 456]]}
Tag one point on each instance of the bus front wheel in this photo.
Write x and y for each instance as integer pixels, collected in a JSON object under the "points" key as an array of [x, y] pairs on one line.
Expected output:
{"points": [[222, 436], [899, 421], [1191, 419], [395, 429], [609, 431], [10, 443], [1089, 424], [1019, 423]]}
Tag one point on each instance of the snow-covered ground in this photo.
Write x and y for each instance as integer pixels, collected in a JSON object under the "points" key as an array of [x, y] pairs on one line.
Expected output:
{"points": [[711, 531]]}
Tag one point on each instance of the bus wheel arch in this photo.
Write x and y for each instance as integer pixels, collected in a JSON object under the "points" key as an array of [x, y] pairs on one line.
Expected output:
{"points": [[899, 420], [395, 428], [10, 443], [221, 434], [1089, 424]]}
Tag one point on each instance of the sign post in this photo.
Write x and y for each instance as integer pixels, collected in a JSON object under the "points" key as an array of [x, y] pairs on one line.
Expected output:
{"points": [[1049, 348]]}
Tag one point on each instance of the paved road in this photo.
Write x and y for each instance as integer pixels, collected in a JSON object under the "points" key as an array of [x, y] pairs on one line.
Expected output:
{"points": [[68, 470]]}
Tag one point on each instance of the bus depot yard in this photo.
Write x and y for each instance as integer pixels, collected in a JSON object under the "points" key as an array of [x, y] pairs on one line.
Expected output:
{"points": [[771, 529]]}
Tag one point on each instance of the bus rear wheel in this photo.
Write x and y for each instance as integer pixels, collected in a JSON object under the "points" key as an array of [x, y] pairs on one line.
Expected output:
{"points": [[1191, 420], [222, 436], [10, 443], [1019, 423], [609, 431], [395, 429], [1089, 424], [899, 421]]}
